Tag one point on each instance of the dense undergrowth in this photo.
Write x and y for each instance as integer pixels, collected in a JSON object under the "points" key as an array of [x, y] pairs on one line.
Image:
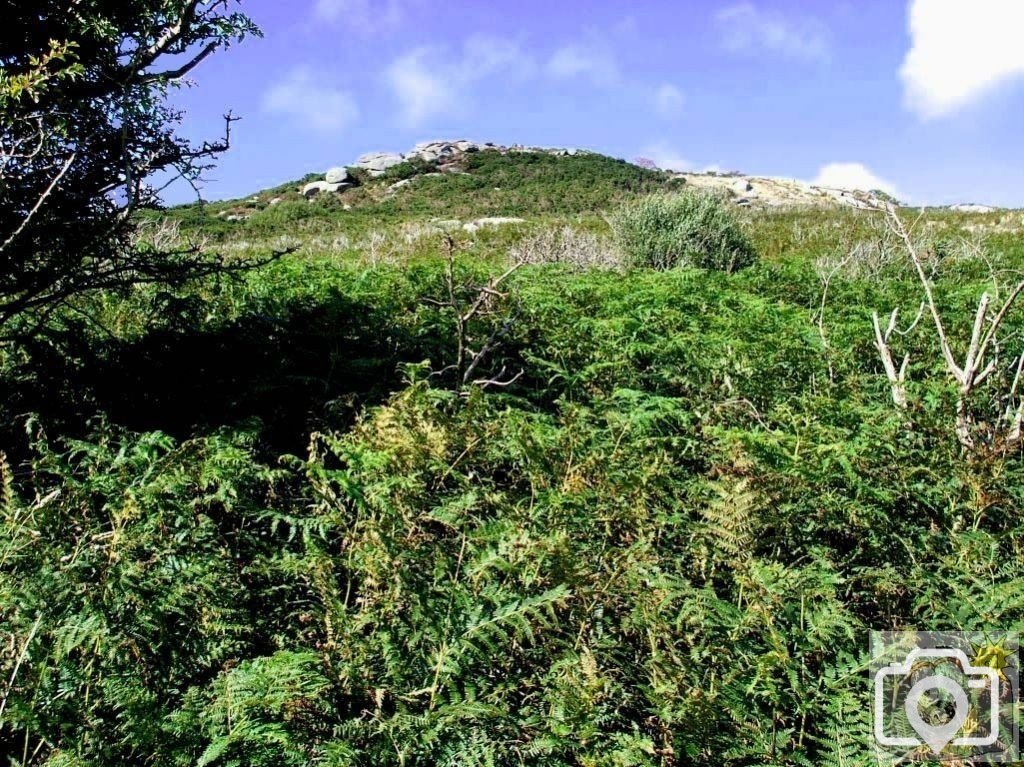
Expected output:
{"points": [[257, 522]]}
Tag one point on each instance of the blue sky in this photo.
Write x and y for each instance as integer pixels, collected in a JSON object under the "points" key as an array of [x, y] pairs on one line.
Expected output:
{"points": [[924, 97]]}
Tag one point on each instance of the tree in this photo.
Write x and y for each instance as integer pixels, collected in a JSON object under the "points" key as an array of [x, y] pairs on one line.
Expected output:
{"points": [[84, 128]]}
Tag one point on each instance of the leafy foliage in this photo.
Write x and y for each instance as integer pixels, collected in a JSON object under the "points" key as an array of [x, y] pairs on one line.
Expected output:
{"points": [[84, 128], [684, 229], [286, 542]]}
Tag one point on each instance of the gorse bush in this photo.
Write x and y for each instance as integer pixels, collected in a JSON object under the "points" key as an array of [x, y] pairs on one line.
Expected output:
{"points": [[688, 228]]}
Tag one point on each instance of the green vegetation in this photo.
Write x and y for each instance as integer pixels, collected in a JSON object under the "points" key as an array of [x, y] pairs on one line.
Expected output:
{"points": [[84, 128], [533, 184], [684, 229], [353, 508]]}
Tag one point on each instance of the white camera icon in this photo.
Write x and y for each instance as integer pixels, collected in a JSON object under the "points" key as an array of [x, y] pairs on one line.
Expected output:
{"points": [[938, 737]]}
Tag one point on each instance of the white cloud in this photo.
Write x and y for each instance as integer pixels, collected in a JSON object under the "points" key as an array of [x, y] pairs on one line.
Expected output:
{"points": [[592, 61], [667, 157], [960, 51], [430, 83], [363, 15], [747, 29], [853, 175], [669, 100], [421, 91], [303, 95]]}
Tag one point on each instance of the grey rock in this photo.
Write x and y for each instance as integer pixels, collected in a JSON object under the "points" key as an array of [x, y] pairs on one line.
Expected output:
{"points": [[432, 151], [433, 154], [312, 189], [399, 185], [480, 223], [337, 175], [375, 163]]}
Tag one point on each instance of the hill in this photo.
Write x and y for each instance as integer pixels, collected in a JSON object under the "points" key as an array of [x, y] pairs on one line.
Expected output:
{"points": [[427, 488], [453, 183]]}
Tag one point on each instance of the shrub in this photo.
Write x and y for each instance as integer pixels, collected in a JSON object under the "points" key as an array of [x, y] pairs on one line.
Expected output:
{"points": [[408, 169], [686, 229], [87, 128]]}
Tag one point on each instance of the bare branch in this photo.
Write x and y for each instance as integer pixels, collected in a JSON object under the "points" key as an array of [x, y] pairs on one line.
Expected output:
{"points": [[980, 362], [483, 302], [897, 379], [39, 203], [184, 69], [901, 231]]}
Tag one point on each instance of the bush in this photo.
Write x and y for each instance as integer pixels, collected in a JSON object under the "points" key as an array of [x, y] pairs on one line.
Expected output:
{"points": [[685, 229], [410, 168]]}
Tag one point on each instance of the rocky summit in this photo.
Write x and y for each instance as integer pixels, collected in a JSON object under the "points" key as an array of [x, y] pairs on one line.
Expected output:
{"points": [[444, 156], [441, 152]]}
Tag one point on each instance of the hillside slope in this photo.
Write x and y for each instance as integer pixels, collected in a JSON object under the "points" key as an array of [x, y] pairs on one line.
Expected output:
{"points": [[465, 180], [499, 498]]}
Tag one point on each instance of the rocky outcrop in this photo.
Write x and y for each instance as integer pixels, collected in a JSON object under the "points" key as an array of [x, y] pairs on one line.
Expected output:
{"points": [[447, 157], [444, 155], [445, 151], [375, 163], [337, 176], [768, 192]]}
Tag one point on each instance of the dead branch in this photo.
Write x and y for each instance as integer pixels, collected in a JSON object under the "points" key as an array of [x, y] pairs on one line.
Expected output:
{"points": [[897, 378], [39, 202], [469, 303], [980, 361]]}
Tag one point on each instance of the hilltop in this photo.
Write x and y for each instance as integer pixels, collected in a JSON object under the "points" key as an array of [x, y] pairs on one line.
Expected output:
{"points": [[388, 203], [453, 184]]}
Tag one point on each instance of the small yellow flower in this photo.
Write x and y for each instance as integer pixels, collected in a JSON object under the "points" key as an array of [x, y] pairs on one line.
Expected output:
{"points": [[970, 725], [993, 656]]}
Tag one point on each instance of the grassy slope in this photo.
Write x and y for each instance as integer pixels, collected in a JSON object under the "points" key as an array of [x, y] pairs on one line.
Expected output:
{"points": [[491, 184], [664, 544]]}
